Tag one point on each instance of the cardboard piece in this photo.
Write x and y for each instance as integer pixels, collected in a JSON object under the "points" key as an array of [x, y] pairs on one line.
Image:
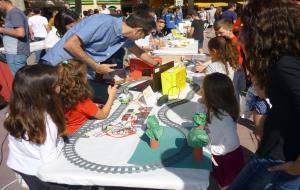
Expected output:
{"points": [[173, 81], [149, 96]]}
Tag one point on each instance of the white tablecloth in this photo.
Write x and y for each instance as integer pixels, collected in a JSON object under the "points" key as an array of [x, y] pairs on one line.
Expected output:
{"points": [[107, 150], [190, 49]]}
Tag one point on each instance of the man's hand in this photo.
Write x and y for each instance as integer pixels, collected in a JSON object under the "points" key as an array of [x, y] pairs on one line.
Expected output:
{"points": [[292, 167], [105, 68]]}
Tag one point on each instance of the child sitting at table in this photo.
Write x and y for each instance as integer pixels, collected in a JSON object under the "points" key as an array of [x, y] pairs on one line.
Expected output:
{"points": [[224, 57], [76, 96], [35, 122], [222, 113]]}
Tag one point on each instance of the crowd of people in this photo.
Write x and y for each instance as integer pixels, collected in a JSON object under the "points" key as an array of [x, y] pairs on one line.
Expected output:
{"points": [[53, 98], [103, 10]]}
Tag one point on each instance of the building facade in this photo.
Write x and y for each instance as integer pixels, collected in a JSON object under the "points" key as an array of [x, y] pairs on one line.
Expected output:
{"points": [[93, 4]]}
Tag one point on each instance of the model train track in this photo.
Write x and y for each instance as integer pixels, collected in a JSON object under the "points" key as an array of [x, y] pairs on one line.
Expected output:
{"points": [[72, 155]]}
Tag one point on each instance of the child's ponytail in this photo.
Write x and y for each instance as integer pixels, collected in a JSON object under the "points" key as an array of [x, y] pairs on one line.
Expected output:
{"points": [[231, 53], [226, 50]]}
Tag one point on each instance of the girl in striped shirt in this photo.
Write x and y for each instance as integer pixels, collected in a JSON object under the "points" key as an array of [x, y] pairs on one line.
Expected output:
{"points": [[224, 57]]}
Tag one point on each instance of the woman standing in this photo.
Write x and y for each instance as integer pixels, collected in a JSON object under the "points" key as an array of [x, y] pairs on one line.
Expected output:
{"points": [[63, 21], [270, 38]]}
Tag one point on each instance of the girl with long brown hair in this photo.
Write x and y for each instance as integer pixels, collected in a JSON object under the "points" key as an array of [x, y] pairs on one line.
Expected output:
{"points": [[222, 112], [35, 122]]}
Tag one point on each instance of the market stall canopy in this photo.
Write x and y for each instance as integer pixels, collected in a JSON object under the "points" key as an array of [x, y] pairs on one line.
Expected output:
{"points": [[216, 4], [242, 2]]}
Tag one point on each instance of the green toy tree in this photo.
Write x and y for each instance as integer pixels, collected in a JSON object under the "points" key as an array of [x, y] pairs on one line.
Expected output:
{"points": [[197, 137], [199, 120], [154, 131]]}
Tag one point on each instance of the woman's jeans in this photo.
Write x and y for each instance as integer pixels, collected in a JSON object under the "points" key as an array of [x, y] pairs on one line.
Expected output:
{"points": [[40, 53], [255, 176]]}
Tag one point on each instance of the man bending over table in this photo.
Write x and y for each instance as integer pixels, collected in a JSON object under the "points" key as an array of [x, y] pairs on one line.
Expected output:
{"points": [[97, 38]]}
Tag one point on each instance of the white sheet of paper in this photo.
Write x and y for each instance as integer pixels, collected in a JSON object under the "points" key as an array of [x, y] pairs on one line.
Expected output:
{"points": [[149, 96]]}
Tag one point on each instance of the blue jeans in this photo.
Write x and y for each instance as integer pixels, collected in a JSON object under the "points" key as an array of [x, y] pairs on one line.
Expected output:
{"points": [[3, 58], [40, 53], [255, 176], [16, 61]]}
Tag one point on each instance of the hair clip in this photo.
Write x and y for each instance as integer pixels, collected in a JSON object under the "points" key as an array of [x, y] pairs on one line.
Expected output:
{"points": [[65, 62]]}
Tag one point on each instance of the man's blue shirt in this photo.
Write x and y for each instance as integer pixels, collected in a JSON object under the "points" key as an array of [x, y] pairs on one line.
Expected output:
{"points": [[101, 36], [178, 18], [229, 15], [170, 20]]}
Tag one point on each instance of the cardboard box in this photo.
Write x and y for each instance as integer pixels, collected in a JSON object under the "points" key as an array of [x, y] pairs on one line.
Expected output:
{"points": [[173, 81], [139, 68]]}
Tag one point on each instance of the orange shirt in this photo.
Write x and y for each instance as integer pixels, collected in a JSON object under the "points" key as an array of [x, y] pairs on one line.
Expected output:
{"points": [[82, 112], [237, 24], [238, 46]]}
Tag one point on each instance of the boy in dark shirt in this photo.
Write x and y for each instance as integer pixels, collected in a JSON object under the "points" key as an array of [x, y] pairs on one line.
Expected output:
{"points": [[197, 29]]}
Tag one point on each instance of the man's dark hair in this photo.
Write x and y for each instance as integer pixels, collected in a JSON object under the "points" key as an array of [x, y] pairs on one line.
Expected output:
{"points": [[86, 13], [194, 13], [141, 19], [36, 11], [96, 11], [231, 4], [142, 7]]}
